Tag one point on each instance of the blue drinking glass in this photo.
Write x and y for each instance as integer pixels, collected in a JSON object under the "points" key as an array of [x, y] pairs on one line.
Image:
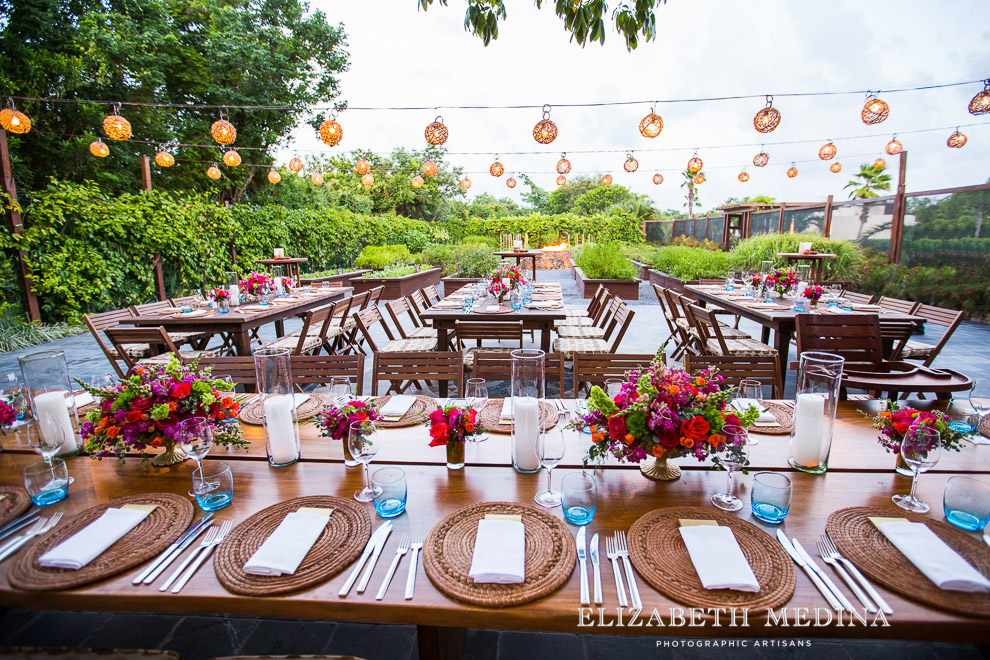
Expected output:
{"points": [[966, 503], [47, 483], [800, 305], [213, 484], [515, 300], [392, 482], [845, 305], [579, 492], [527, 296], [771, 497]]}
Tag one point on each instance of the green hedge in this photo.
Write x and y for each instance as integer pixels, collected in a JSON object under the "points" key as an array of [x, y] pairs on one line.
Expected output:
{"points": [[689, 263], [617, 225], [383, 256], [604, 261], [948, 251], [461, 260]]}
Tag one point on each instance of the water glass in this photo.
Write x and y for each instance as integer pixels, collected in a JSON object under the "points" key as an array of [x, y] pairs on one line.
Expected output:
{"points": [[187, 305], [771, 497], [340, 389], [845, 305], [920, 449], [979, 399], [800, 305], [527, 295], [613, 386], [730, 281], [391, 481], [195, 439], [213, 485], [768, 293], [750, 388], [477, 398], [47, 483], [515, 300], [467, 303], [45, 437], [732, 455], [326, 283], [579, 497], [550, 450], [966, 503]]}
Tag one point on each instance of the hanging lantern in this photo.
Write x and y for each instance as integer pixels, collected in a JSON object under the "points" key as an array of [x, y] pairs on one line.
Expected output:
{"points": [[231, 158], [827, 152], [295, 164], [13, 120], [436, 133], [695, 164], [792, 171], [316, 178], [956, 140], [164, 159], [658, 178], [743, 176], [430, 168], [607, 180], [331, 131], [510, 182], [835, 167], [362, 166], [99, 149], [223, 131], [465, 183], [496, 169], [699, 179], [894, 147], [880, 163], [367, 180], [545, 130], [761, 159], [767, 119], [274, 176], [980, 104], [561, 180], [631, 164], [417, 181], [116, 127], [875, 110], [213, 172], [651, 124], [563, 165]]}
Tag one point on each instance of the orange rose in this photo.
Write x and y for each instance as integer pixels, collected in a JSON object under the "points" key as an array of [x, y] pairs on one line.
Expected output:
{"points": [[687, 442], [673, 389], [658, 451], [102, 425], [237, 406], [113, 431], [226, 402], [157, 442], [699, 381], [469, 427], [172, 405], [716, 440]]}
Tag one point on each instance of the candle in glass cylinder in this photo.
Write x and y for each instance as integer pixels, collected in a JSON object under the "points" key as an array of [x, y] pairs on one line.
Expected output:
{"points": [[279, 426], [54, 406], [526, 418], [809, 410]]}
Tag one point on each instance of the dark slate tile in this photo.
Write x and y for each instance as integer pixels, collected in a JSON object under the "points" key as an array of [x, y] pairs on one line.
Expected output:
{"points": [[202, 637], [13, 621], [59, 628], [520, 645], [770, 649], [285, 636], [480, 645], [373, 642], [892, 650], [132, 631], [610, 647]]}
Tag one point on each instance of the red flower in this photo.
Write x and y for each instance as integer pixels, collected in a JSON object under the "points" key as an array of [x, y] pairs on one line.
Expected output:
{"points": [[138, 403], [181, 390], [171, 420], [134, 416], [667, 440], [439, 434], [695, 428], [616, 427]]}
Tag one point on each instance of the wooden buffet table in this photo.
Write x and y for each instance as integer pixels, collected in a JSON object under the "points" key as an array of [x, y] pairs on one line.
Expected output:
{"points": [[817, 260], [519, 255], [291, 262]]}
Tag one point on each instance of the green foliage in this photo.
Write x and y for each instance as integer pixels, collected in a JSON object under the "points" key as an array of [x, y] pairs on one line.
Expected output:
{"points": [[604, 261], [690, 263], [475, 239], [691, 241], [750, 252], [383, 256], [965, 288], [16, 333], [948, 251], [867, 182], [327, 273], [562, 199], [461, 260], [639, 251], [617, 225], [601, 199], [393, 271], [959, 215]]}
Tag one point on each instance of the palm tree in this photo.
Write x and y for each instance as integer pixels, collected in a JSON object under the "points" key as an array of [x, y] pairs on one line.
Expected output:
{"points": [[865, 185], [692, 190]]}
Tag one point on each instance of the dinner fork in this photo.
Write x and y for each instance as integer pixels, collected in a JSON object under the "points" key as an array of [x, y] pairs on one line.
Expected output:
{"points": [[829, 558], [613, 557], [622, 550], [874, 594], [221, 535], [40, 527], [416, 546], [399, 553], [211, 534]]}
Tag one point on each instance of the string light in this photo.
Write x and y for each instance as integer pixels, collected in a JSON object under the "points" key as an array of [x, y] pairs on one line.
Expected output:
{"points": [[956, 140], [563, 165], [545, 130], [894, 147], [792, 171], [631, 164], [296, 164], [828, 151], [980, 104], [874, 110], [417, 181], [496, 169], [761, 159], [561, 180], [14, 120], [465, 183], [436, 133], [362, 166], [223, 131], [607, 180], [651, 125], [835, 167], [164, 158], [743, 176], [767, 119], [658, 178], [880, 163], [231, 158], [695, 164], [331, 131], [430, 168], [316, 179], [274, 176], [99, 149], [116, 127], [699, 179], [367, 179], [510, 182], [213, 172]]}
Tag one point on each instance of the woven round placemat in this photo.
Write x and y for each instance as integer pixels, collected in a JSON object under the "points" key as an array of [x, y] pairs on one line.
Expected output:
{"points": [[418, 412], [171, 517], [785, 419], [501, 310], [658, 553], [14, 503], [253, 413], [864, 545], [985, 426], [550, 556], [491, 415], [341, 543]]}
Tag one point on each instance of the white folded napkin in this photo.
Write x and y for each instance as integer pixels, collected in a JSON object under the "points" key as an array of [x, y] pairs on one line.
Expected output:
{"points": [[298, 399], [506, 414], [492, 308], [284, 550], [742, 405], [499, 552], [83, 399], [89, 542], [717, 559], [397, 406], [196, 313], [933, 557]]}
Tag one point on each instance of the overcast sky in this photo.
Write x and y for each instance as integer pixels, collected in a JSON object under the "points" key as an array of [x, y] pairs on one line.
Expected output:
{"points": [[403, 57]]}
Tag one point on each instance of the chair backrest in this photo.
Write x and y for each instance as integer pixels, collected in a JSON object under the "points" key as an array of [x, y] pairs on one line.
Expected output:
{"points": [[498, 366], [948, 318], [708, 329], [596, 301], [374, 296], [151, 308], [399, 368], [432, 294], [897, 305], [360, 301], [855, 337], [662, 300], [306, 369], [480, 330], [859, 298], [605, 308], [154, 337], [397, 308], [366, 320], [97, 323], [177, 302], [316, 322], [734, 368], [617, 328], [595, 368], [418, 302], [895, 334]]}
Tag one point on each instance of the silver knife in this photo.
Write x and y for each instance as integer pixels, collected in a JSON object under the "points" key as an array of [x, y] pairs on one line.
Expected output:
{"points": [[379, 545], [19, 523], [824, 578], [368, 548], [597, 570], [782, 538], [155, 568], [583, 559], [986, 538]]}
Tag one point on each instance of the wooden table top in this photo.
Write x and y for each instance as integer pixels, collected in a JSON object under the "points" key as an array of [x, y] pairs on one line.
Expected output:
{"points": [[236, 317], [802, 255], [549, 293], [914, 379], [283, 260], [519, 253]]}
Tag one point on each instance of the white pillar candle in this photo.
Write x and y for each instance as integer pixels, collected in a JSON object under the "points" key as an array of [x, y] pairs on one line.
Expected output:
{"points": [[235, 295], [526, 421], [281, 429], [517, 245], [809, 411], [52, 409]]}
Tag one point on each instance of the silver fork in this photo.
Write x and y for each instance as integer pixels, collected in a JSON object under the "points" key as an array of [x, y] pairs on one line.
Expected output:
{"points": [[221, 535], [417, 544], [40, 527], [399, 553], [613, 557], [622, 550], [833, 553], [211, 534], [829, 558]]}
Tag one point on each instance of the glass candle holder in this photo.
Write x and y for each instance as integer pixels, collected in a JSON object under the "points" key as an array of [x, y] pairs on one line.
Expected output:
{"points": [[527, 390], [234, 287], [274, 372], [815, 404], [49, 389]]}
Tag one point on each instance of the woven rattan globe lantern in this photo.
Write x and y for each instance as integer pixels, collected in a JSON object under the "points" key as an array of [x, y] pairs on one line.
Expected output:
{"points": [[164, 159], [545, 130], [367, 179], [880, 163], [631, 164], [223, 131], [980, 104], [874, 110], [496, 169], [894, 147], [767, 119], [465, 183], [99, 149], [430, 168], [792, 171], [835, 167], [296, 165], [761, 159], [417, 181], [362, 166], [651, 125], [316, 179], [700, 179], [331, 131], [116, 127], [743, 176], [274, 176], [956, 140], [510, 182], [561, 180], [563, 165], [231, 158], [658, 178], [14, 121], [213, 172], [828, 151], [606, 180], [436, 133], [695, 164]]}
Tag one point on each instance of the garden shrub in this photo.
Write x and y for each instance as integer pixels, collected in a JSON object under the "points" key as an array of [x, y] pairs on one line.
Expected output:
{"points": [[750, 252], [692, 263], [461, 260], [383, 256], [604, 261]]}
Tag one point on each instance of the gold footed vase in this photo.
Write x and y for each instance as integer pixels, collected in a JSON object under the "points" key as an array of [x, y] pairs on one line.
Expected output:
{"points": [[171, 456], [659, 469]]}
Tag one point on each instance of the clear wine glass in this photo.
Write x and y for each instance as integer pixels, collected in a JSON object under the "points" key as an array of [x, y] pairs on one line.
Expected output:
{"points": [[477, 398], [750, 388], [340, 389], [362, 442], [979, 399], [550, 450], [920, 449], [732, 455], [195, 439]]}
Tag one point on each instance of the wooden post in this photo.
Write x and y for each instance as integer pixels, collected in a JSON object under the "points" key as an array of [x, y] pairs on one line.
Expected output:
{"points": [[827, 226], [644, 230], [780, 221], [897, 221], [157, 261], [708, 220], [17, 228]]}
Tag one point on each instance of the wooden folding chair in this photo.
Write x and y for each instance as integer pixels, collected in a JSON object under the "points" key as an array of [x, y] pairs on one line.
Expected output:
{"points": [[478, 331], [713, 340], [99, 323], [898, 305], [585, 316], [859, 298], [734, 368], [595, 368], [161, 345], [600, 323], [403, 370], [312, 335], [370, 318], [947, 318], [432, 294], [495, 366], [197, 340], [306, 369], [855, 337], [396, 308], [616, 330]]}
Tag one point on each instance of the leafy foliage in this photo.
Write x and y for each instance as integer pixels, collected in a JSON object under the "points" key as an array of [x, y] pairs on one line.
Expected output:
{"points": [[604, 261], [392, 271], [461, 260], [617, 225], [383, 256], [966, 287], [688, 263], [750, 252]]}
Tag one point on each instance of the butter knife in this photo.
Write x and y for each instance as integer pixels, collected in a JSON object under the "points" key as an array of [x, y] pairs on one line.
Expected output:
{"points": [[785, 542], [368, 549], [824, 578], [379, 545], [163, 560], [597, 569], [583, 559]]}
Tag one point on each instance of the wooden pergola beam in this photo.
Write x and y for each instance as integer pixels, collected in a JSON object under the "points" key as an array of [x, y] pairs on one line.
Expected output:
{"points": [[16, 227]]}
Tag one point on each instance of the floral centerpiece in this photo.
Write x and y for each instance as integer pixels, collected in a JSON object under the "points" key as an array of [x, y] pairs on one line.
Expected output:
{"points": [[659, 414], [220, 295], [896, 419], [257, 284], [145, 409], [781, 280], [334, 422], [813, 293], [450, 426], [505, 279], [7, 416], [756, 281]]}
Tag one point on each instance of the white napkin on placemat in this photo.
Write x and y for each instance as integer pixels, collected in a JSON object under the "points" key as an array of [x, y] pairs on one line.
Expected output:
{"points": [[499, 552], [506, 414], [89, 542], [195, 314], [492, 308], [284, 550], [933, 557], [397, 406], [717, 559], [83, 399], [298, 399], [742, 405]]}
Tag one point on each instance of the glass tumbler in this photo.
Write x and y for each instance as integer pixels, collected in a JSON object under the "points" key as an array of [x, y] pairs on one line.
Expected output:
{"points": [[392, 499], [771, 497], [966, 503], [579, 492], [47, 483], [214, 485]]}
